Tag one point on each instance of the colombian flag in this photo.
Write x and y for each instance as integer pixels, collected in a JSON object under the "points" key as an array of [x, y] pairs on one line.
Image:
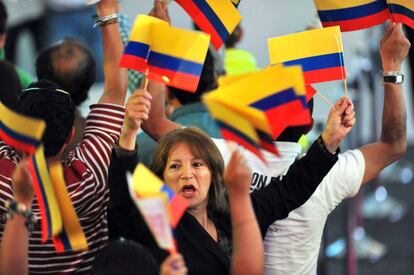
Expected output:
{"points": [[235, 127], [49, 208], [138, 48], [177, 56], [217, 17], [319, 52], [166, 54], [72, 237], [160, 206], [19, 131], [352, 15], [402, 11]]}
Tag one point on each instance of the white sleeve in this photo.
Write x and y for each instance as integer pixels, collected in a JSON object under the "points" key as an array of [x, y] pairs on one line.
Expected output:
{"points": [[254, 163], [344, 179]]}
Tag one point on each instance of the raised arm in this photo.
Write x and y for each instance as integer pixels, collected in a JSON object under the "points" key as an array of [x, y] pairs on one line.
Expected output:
{"points": [[281, 196], [116, 78], [247, 240], [15, 241], [393, 142]]}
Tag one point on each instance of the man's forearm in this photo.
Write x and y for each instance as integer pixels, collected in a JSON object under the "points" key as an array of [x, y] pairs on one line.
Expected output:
{"points": [[116, 78], [157, 123], [394, 118]]}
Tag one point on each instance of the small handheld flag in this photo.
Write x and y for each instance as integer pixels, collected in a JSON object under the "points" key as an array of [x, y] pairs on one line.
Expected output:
{"points": [[19, 131], [319, 52], [219, 18]]}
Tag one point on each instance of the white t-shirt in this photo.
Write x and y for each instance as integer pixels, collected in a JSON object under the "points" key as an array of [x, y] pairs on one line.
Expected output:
{"points": [[292, 244]]}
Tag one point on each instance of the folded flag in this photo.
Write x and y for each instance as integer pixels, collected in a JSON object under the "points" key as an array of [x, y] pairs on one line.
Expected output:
{"points": [[235, 127], [72, 237], [138, 48], [166, 54], [402, 11], [319, 52], [160, 207], [51, 219], [21, 132], [219, 18], [352, 15], [177, 56]]}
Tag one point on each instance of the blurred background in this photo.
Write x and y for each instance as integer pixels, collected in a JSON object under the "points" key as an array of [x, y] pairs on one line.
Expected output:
{"points": [[380, 220]]}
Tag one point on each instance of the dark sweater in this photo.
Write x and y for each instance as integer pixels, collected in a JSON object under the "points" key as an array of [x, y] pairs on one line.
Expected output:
{"points": [[201, 253]]}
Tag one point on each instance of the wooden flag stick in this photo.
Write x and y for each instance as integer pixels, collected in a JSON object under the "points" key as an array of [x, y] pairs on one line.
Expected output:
{"points": [[325, 99], [338, 43]]}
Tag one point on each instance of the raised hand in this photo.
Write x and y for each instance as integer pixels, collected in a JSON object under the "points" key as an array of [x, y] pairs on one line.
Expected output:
{"points": [[237, 175], [340, 121], [173, 265], [23, 189], [394, 47], [160, 10]]}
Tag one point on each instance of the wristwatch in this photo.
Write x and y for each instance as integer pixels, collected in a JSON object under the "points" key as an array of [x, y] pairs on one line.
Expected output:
{"points": [[393, 77]]}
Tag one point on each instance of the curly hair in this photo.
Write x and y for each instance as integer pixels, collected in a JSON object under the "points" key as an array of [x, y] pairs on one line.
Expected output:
{"points": [[43, 100]]}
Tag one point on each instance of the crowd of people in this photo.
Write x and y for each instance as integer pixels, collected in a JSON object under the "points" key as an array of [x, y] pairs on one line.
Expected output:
{"points": [[234, 224]]}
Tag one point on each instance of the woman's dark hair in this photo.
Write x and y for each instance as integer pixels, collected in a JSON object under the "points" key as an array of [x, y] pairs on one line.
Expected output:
{"points": [[202, 147], [126, 258], [45, 100]]}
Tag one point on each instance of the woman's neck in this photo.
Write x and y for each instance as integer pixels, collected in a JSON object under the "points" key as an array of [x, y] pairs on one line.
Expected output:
{"points": [[201, 216]]}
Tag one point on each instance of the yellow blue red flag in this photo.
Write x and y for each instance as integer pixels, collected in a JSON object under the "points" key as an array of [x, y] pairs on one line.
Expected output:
{"points": [[72, 237], [166, 54], [219, 18], [19, 131], [402, 11], [160, 206], [352, 15], [319, 52], [51, 219]]}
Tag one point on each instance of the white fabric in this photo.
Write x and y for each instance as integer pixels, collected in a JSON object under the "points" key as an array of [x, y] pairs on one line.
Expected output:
{"points": [[253, 161], [22, 10], [292, 244]]}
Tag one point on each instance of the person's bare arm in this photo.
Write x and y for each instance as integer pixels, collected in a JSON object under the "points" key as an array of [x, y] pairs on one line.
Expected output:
{"points": [[15, 241], [393, 142], [157, 123], [247, 239], [116, 78]]}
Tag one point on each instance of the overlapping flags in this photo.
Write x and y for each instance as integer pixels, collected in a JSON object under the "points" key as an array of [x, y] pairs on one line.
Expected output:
{"points": [[319, 52], [59, 221], [166, 54], [402, 11], [267, 102], [160, 206], [354, 15], [19, 131], [219, 18]]}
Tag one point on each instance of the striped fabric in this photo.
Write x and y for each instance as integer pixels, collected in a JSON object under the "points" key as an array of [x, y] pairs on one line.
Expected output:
{"points": [[85, 172], [402, 11]]}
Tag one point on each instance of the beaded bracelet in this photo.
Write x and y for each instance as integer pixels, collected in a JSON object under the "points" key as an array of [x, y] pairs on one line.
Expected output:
{"points": [[15, 208], [106, 20]]}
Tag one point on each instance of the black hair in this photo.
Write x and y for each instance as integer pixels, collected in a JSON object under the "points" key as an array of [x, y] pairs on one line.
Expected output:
{"points": [[71, 65], [293, 134], [3, 17], [124, 257], [10, 86], [44, 99], [208, 82]]}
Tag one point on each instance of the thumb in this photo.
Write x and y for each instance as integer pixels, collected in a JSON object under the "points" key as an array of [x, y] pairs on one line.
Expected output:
{"points": [[389, 29]]}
